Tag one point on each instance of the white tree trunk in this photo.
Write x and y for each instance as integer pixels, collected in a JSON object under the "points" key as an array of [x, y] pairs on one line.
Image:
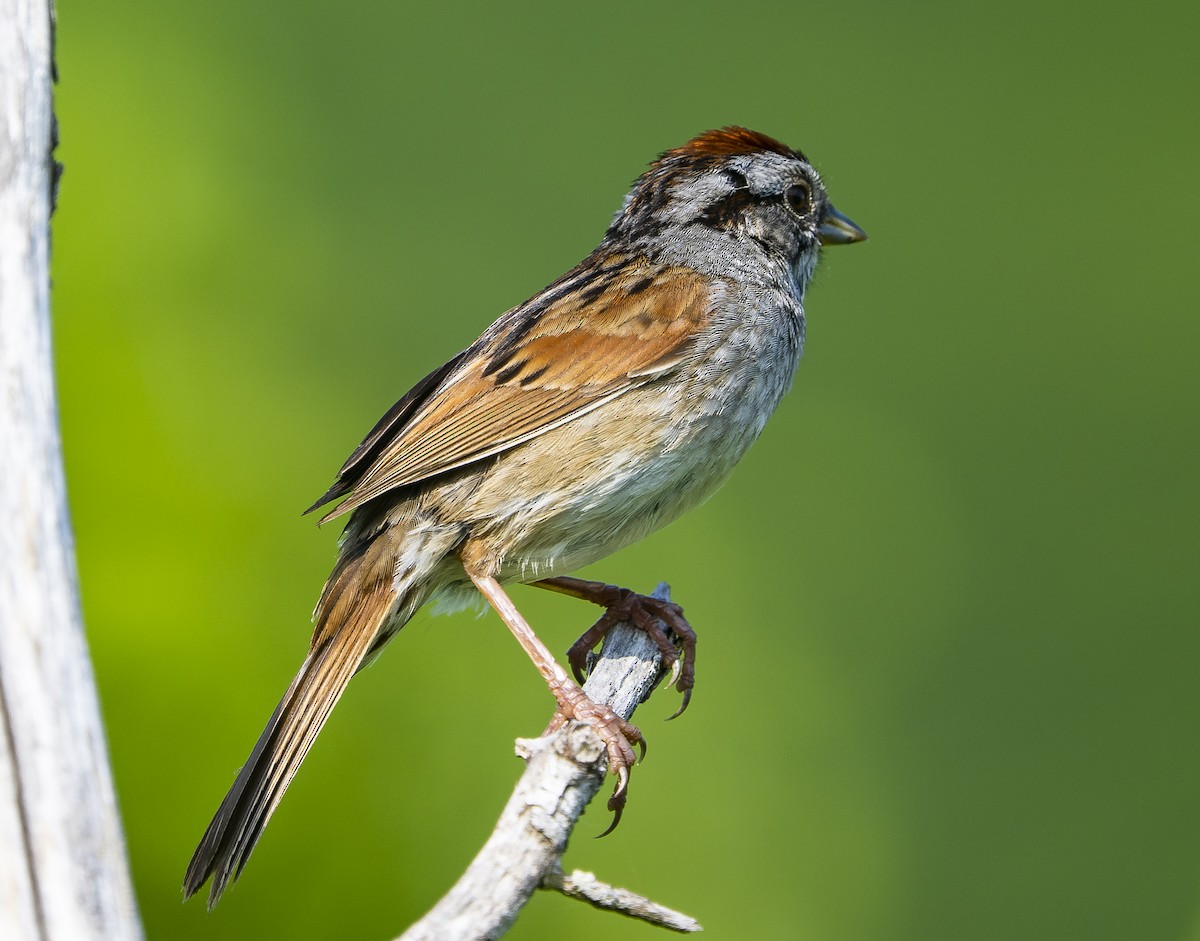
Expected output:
{"points": [[63, 872]]}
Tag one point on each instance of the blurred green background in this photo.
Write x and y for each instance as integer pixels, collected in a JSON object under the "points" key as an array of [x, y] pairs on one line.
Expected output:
{"points": [[948, 605]]}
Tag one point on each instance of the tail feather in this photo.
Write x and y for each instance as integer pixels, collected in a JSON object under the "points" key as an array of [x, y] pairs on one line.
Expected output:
{"points": [[239, 821]]}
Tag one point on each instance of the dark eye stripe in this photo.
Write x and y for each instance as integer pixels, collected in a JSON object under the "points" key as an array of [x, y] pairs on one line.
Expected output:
{"points": [[737, 178], [724, 212]]}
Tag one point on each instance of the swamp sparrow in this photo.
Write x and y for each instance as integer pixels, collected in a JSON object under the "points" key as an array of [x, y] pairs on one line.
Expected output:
{"points": [[599, 410]]}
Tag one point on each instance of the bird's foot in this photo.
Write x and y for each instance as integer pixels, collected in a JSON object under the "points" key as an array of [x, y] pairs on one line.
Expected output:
{"points": [[620, 739], [648, 614]]}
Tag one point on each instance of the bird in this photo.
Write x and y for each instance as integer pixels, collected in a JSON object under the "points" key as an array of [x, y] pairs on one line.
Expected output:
{"points": [[599, 410]]}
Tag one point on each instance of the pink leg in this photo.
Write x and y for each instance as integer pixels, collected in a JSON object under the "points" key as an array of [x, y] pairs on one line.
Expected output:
{"points": [[619, 736]]}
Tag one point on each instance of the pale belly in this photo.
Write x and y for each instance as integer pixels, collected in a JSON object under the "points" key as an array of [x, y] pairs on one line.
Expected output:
{"points": [[613, 477]]}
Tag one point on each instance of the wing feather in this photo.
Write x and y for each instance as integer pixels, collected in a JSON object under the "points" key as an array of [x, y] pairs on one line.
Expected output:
{"points": [[556, 357]]}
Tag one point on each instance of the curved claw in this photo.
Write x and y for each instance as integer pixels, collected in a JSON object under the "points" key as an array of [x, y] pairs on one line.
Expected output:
{"points": [[616, 803], [676, 669], [622, 786], [687, 698], [617, 810]]}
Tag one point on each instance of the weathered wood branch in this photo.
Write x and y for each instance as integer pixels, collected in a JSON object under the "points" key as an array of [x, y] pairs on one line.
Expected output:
{"points": [[564, 772], [63, 873]]}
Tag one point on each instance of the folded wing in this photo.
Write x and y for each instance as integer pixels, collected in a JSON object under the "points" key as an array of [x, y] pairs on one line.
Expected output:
{"points": [[601, 331]]}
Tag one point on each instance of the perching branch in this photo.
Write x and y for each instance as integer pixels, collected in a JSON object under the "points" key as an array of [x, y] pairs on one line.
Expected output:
{"points": [[63, 873], [564, 772]]}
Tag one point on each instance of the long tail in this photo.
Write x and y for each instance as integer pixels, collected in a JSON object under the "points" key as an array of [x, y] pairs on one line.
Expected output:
{"points": [[358, 603]]}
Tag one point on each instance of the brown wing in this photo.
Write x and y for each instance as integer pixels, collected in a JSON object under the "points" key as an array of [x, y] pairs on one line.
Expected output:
{"points": [[583, 341]]}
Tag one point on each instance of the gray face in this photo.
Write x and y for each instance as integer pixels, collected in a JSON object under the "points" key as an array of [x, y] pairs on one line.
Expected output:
{"points": [[717, 213], [775, 201]]}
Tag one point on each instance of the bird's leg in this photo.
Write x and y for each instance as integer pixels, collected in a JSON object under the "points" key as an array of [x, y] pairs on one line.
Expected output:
{"points": [[619, 737], [645, 612]]}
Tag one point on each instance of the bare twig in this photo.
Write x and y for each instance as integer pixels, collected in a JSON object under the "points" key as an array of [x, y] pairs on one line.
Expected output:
{"points": [[587, 888], [564, 772]]}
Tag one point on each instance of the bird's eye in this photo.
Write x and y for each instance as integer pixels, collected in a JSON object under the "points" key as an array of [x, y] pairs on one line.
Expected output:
{"points": [[799, 198]]}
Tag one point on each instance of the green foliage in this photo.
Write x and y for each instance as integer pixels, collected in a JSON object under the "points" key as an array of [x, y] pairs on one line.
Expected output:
{"points": [[947, 675]]}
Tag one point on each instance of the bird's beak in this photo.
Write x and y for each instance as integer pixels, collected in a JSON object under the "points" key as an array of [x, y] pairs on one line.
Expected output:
{"points": [[836, 229]]}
